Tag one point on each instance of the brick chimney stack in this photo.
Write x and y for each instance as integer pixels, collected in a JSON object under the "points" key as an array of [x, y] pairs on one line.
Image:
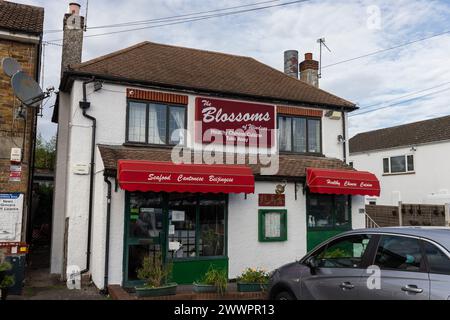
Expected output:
{"points": [[309, 70], [73, 26]]}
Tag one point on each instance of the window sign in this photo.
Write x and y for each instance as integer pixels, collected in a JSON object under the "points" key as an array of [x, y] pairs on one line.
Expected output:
{"points": [[172, 229], [272, 225], [178, 215]]}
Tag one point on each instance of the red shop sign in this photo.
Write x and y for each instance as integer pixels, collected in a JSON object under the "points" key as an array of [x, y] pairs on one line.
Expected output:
{"points": [[156, 176], [249, 124]]}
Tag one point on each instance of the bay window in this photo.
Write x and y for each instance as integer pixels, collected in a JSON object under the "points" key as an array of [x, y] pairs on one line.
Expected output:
{"points": [[299, 134], [155, 123]]}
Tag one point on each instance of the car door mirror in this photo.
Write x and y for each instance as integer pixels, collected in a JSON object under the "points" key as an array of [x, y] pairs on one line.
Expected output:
{"points": [[312, 264]]}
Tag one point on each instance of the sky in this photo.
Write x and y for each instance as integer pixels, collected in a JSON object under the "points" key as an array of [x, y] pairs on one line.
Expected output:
{"points": [[351, 28]]}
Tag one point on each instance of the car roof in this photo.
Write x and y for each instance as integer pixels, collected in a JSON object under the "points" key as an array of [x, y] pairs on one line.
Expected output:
{"points": [[441, 235]]}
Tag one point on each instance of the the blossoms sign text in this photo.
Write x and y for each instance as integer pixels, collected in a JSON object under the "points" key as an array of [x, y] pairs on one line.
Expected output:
{"points": [[233, 122]]}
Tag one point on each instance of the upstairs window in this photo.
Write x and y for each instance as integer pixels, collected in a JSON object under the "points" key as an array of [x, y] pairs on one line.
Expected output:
{"points": [[398, 164], [155, 123], [300, 135]]}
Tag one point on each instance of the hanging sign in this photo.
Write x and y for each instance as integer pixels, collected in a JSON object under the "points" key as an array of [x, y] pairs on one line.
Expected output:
{"points": [[235, 122]]}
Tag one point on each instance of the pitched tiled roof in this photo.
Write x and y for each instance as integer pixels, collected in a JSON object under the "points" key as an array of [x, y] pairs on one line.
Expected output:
{"points": [[206, 71], [291, 165], [21, 17], [437, 129]]}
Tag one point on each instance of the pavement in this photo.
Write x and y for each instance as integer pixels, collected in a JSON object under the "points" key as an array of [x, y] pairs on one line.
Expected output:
{"points": [[39, 284]]}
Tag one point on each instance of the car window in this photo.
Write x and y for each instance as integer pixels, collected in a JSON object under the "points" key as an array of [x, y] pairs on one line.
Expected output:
{"points": [[346, 252], [438, 262], [399, 253]]}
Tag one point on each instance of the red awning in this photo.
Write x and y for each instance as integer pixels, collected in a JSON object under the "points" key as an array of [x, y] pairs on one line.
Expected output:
{"points": [[342, 182], [169, 177]]}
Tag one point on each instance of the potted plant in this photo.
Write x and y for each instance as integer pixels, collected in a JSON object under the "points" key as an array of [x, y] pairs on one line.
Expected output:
{"points": [[155, 274], [214, 280], [252, 280], [6, 281]]}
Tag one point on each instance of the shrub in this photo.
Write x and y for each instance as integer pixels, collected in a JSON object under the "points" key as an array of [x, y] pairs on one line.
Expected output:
{"points": [[154, 271], [217, 278], [251, 275]]}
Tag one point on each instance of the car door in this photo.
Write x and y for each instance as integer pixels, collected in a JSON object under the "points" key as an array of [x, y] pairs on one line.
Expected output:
{"points": [[337, 271], [438, 263], [401, 267]]}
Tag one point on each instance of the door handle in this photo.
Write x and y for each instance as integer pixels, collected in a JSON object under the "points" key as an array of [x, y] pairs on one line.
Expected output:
{"points": [[346, 286], [412, 288]]}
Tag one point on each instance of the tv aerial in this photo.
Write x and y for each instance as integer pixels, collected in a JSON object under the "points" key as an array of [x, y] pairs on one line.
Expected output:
{"points": [[25, 88], [321, 42]]}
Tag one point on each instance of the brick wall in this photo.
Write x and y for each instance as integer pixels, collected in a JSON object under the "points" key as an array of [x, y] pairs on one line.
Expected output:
{"points": [[412, 215], [12, 128]]}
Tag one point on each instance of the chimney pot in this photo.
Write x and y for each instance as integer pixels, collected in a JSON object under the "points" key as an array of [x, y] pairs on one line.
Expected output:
{"points": [[309, 70], [291, 63], [74, 8]]}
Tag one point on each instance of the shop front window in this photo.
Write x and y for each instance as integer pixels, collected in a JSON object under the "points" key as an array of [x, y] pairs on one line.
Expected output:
{"points": [[328, 211], [182, 225], [212, 226], [145, 215]]}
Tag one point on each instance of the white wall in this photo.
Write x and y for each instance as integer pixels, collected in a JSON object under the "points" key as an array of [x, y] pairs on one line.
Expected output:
{"points": [[430, 184], [244, 249]]}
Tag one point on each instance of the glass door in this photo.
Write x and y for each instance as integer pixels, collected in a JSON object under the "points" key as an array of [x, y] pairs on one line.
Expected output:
{"points": [[326, 216], [145, 224]]}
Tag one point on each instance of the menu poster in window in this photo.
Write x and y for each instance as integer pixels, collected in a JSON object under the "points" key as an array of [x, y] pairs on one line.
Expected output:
{"points": [[273, 225], [178, 215], [11, 206]]}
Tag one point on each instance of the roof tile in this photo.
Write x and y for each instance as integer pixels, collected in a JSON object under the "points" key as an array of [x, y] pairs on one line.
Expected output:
{"points": [[21, 17], [201, 70]]}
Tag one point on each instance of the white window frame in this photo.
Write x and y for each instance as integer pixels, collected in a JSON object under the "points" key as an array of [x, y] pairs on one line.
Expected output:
{"points": [[406, 165]]}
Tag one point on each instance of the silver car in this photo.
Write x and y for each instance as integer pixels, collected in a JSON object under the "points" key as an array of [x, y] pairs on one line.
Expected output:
{"points": [[383, 263]]}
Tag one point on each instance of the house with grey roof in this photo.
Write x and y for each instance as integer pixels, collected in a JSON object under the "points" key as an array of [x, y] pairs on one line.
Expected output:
{"points": [[410, 161]]}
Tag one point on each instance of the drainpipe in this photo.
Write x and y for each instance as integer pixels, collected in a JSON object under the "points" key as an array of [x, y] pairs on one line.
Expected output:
{"points": [[32, 148], [108, 224], [344, 143], [84, 105]]}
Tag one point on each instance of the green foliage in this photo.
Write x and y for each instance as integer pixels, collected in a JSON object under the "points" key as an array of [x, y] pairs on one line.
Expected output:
{"points": [[8, 281], [251, 275], [5, 266], [45, 154], [336, 253], [154, 271], [217, 278]]}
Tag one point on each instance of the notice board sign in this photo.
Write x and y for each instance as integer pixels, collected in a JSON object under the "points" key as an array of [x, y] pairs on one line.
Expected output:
{"points": [[236, 122], [11, 207], [271, 200]]}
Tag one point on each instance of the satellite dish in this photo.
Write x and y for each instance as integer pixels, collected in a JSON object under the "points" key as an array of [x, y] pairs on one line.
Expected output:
{"points": [[10, 66], [26, 89]]}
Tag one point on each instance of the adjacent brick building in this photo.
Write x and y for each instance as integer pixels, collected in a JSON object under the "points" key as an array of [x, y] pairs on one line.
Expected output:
{"points": [[20, 38]]}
